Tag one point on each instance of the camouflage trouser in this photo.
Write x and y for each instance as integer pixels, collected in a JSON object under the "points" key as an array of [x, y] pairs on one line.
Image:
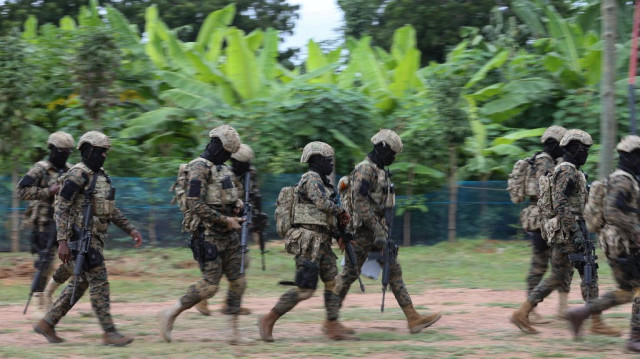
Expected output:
{"points": [[97, 282], [561, 272], [45, 271], [227, 262], [541, 255], [628, 291], [64, 272], [364, 244], [327, 271]]}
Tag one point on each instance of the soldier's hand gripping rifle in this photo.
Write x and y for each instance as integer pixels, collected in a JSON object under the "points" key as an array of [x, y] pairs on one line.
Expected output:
{"points": [[346, 238], [588, 257], [389, 253], [44, 262], [84, 238], [248, 219]]}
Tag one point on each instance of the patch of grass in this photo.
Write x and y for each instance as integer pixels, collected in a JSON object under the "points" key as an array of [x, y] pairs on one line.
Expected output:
{"points": [[499, 305]]}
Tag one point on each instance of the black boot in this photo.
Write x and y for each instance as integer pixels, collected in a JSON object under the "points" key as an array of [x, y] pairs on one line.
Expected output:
{"points": [[633, 343]]}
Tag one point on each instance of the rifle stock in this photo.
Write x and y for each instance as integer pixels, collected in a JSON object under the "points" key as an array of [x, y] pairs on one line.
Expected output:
{"points": [[246, 225]]}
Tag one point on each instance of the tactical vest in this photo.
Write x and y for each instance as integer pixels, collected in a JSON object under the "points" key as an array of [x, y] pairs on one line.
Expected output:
{"points": [[103, 199], [304, 211], [221, 189], [41, 211]]}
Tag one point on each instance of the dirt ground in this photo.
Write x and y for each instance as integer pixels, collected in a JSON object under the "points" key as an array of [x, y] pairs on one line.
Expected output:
{"points": [[475, 318]]}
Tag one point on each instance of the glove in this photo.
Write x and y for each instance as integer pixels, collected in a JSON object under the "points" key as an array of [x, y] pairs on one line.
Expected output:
{"points": [[344, 218]]}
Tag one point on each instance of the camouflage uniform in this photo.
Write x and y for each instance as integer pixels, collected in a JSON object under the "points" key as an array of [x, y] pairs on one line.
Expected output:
{"points": [[371, 194], [69, 214], [212, 198]]}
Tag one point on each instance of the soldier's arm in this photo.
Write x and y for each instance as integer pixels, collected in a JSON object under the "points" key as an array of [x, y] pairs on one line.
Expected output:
{"points": [[196, 192], [119, 219], [72, 185], [363, 205], [315, 190], [618, 207], [28, 186], [565, 185]]}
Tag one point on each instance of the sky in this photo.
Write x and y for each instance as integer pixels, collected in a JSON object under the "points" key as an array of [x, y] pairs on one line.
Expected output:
{"points": [[318, 20]]}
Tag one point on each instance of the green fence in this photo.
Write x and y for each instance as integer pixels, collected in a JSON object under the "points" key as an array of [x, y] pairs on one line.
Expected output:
{"points": [[484, 211]]}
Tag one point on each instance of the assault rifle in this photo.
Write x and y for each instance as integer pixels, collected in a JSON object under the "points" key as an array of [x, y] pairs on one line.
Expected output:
{"points": [[587, 256], [248, 219], [44, 262], [261, 228], [389, 253], [346, 239], [84, 238]]}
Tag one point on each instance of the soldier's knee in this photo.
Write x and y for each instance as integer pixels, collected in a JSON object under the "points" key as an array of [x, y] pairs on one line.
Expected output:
{"points": [[304, 293], [330, 285], [209, 290], [238, 285]]}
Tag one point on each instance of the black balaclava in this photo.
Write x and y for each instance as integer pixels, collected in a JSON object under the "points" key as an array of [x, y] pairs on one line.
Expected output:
{"points": [[552, 147], [93, 157], [576, 152], [630, 162], [58, 158], [382, 155], [215, 153], [239, 168], [322, 166]]}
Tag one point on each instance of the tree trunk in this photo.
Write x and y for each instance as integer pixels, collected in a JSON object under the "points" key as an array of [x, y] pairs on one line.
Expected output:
{"points": [[608, 125], [453, 194], [406, 226], [15, 214]]}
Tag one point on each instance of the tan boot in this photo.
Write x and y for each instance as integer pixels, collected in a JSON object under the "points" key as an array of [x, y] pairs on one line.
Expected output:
{"points": [[116, 339], [48, 292], [48, 331], [576, 317], [265, 325], [235, 337], [38, 310], [535, 318], [520, 318], [417, 322], [344, 329], [202, 307], [166, 318], [241, 311], [599, 327], [563, 300], [633, 343], [335, 331]]}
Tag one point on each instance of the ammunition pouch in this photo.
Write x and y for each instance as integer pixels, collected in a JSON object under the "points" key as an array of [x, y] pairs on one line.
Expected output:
{"points": [[307, 276], [538, 243], [94, 258], [202, 250]]}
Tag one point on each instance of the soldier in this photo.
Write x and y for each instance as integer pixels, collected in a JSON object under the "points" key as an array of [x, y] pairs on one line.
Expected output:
{"points": [[568, 231], [78, 183], [619, 241], [240, 164], [315, 210], [543, 162], [372, 193], [40, 186], [214, 199]]}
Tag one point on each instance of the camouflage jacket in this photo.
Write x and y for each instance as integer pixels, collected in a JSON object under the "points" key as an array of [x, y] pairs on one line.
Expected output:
{"points": [[569, 196], [70, 202], [34, 186], [371, 188], [621, 216], [313, 191]]}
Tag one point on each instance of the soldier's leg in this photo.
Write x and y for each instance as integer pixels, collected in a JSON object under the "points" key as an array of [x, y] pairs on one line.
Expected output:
{"points": [[328, 271], [633, 343], [348, 275], [62, 273], [231, 259], [589, 294], [100, 296], [541, 255]]}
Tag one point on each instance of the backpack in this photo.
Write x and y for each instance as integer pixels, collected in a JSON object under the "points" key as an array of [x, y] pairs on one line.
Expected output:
{"points": [[594, 209], [284, 210], [518, 185]]}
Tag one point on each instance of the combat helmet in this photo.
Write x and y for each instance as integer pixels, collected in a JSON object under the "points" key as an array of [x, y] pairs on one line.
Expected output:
{"points": [[228, 136], [554, 132], [629, 144], [60, 140], [389, 138], [244, 154], [95, 139], [578, 135], [316, 148]]}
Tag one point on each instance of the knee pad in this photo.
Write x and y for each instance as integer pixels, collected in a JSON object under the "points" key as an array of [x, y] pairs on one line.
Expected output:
{"points": [[307, 276], [304, 293]]}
